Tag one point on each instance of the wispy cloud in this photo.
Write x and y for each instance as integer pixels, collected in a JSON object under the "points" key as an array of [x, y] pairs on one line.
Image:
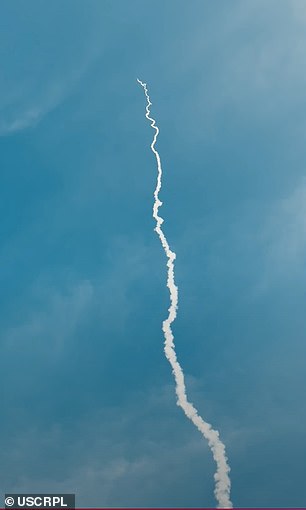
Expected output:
{"points": [[51, 322], [113, 457], [26, 108], [282, 239], [248, 64], [28, 119]]}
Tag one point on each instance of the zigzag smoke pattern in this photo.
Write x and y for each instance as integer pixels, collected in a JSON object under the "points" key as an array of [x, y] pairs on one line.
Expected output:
{"points": [[222, 480]]}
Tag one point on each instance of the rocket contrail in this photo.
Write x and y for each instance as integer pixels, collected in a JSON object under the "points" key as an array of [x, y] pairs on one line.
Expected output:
{"points": [[222, 480]]}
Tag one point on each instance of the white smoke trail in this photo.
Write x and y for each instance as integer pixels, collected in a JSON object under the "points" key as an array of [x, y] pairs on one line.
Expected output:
{"points": [[222, 481]]}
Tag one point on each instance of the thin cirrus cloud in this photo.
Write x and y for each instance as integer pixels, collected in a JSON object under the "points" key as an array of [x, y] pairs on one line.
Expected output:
{"points": [[54, 319], [129, 464], [29, 115], [258, 69], [282, 240], [27, 119]]}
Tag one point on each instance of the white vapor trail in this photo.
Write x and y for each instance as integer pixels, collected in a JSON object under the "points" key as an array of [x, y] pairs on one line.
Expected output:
{"points": [[222, 480]]}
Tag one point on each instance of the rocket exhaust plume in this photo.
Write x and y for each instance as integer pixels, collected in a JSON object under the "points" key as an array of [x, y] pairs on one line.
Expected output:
{"points": [[222, 480]]}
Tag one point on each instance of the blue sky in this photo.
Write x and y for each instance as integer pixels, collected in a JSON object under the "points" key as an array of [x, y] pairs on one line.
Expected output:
{"points": [[88, 403]]}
